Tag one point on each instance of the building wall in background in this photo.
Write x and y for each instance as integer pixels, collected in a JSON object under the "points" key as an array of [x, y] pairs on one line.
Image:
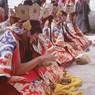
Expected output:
{"points": [[92, 5], [13, 3]]}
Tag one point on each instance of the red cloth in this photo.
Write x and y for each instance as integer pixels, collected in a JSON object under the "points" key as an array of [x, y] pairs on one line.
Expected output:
{"points": [[32, 75]]}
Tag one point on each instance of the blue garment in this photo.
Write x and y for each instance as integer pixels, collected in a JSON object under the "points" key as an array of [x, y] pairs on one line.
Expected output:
{"points": [[82, 9], [7, 47]]}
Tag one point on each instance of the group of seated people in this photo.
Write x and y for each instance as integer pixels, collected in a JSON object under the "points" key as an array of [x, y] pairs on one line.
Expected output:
{"points": [[35, 54]]}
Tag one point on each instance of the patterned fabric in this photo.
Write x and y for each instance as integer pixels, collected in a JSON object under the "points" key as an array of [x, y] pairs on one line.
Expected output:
{"points": [[64, 49], [7, 46], [46, 32], [57, 36], [3, 26], [27, 84], [46, 72], [50, 74], [59, 40], [60, 52], [24, 84], [68, 37], [29, 88], [17, 29], [76, 33]]}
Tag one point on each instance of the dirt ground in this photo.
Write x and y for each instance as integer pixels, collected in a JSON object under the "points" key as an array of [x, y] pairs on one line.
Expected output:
{"points": [[86, 73]]}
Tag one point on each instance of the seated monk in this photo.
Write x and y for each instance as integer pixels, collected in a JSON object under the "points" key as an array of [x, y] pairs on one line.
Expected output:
{"points": [[54, 43], [76, 33], [38, 45], [14, 68]]}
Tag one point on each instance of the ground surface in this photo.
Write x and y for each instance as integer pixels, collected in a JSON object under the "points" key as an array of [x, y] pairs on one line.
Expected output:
{"points": [[86, 73]]}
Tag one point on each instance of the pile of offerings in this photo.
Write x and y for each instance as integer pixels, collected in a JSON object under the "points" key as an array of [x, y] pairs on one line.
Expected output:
{"points": [[83, 59], [67, 86]]}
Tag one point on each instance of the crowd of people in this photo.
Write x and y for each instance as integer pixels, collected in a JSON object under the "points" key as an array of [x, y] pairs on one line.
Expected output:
{"points": [[35, 50]]}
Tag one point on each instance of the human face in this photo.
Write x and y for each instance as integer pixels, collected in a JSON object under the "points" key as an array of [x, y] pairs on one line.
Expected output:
{"points": [[64, 17], [58, 20], [34, 38], [72, 17]]}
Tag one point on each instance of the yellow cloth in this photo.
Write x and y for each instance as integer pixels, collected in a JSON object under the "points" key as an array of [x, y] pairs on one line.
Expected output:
{"points": [[69, 89], [27, 25]]}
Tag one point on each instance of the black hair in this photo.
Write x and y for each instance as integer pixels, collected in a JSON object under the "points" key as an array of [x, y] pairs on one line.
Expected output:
{"points": [[36, 27], [54, 2], [50, 18], [64, 13], [28, 2], [72, 14]]}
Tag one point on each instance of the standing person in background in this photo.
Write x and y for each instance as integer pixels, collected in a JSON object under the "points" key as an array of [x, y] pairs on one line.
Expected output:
{"points": [[4, 4], [2, 14], [82, 9]]}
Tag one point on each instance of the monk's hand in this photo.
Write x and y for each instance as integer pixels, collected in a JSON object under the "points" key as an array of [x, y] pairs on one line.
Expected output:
{"points": [[48, 59]]}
